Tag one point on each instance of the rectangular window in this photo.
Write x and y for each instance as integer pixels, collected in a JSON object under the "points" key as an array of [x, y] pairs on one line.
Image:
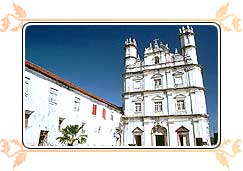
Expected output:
{"points": [[26, 91], [53, 96], [157, 82], [137, 84], [138, 107], [157, 106], [178, 81], [111, 117], [76, 104], [180, 105], [104, 114], [94, 109]]}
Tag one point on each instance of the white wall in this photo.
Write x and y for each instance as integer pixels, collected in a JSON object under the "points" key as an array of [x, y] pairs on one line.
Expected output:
{"points": [[46, 116], [200, 130]]}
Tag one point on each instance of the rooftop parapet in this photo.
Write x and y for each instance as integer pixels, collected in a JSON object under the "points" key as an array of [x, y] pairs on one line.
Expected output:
{"points": [[130, 41], [185, 30]]}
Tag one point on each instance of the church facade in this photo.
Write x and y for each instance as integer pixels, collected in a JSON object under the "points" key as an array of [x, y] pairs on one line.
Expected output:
{"points": [[163, 98], [163, 95]]}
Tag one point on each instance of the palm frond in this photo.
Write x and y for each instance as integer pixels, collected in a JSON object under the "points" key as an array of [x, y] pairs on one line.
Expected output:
{"points": [[71, 134]]}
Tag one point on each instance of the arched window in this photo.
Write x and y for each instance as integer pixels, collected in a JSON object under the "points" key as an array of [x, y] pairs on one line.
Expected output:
{"points": [[156, 60]]}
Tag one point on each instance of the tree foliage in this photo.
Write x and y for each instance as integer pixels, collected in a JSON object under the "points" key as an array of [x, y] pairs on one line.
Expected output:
{"points": [[72, 134]]}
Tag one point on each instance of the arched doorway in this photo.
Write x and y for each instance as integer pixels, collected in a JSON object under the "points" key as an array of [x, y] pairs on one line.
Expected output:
{"points": [[159, 136]]}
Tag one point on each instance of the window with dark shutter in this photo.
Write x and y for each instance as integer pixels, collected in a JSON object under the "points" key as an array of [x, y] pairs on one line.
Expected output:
{"points": [[94, 109]]}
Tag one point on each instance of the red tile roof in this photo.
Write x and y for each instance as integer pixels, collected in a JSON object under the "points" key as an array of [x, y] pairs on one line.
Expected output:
{"points": [[67, 83]]}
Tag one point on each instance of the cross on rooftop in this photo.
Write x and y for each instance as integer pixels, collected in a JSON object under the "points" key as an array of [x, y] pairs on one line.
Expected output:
{"points": [[156, 41]]}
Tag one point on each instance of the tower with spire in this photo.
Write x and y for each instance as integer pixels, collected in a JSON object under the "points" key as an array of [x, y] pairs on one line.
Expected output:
{"points": [[188, 45], [163, 95], [130, 52]]}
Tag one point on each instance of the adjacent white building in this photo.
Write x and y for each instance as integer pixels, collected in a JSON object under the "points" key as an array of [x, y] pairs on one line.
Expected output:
{"points": [[164, 96], [51, 103]]}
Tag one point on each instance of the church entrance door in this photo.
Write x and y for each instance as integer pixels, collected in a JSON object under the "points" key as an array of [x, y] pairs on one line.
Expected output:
{"points": [[138, 140], [159, 136], [160, 140]]}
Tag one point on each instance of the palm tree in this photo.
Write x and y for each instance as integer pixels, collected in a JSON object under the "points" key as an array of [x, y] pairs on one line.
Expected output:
{"points": [[71, 134]]}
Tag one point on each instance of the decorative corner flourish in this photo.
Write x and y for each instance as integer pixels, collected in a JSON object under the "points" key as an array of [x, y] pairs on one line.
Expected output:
{"points": [[19, 154], [222, 17], [19, 16], [223, 156]]}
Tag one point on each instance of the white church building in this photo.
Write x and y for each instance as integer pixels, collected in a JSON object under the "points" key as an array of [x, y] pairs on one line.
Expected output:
{"points": [[163, 102], [164, 96]]}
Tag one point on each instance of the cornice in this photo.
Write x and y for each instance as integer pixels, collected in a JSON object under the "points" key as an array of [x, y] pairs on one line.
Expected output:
{"points": [[166, 90], [166, 117], [163, 68]]}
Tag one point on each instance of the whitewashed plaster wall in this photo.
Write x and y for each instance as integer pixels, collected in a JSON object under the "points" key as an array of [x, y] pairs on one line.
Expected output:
{"points": [[194, 103], [46, 116], [200, 130]]}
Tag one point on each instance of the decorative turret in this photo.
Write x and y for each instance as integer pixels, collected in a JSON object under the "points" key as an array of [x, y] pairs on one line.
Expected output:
{"points": [[188, 45], [130, 52], [138, 58], [156, 44]]}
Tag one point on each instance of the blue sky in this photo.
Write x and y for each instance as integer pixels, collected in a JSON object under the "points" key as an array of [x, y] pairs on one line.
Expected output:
{"points": [[92, 56]]}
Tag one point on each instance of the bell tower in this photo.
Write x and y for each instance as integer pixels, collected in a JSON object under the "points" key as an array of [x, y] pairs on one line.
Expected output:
{"points": [[130, 52], [188, 45]]}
